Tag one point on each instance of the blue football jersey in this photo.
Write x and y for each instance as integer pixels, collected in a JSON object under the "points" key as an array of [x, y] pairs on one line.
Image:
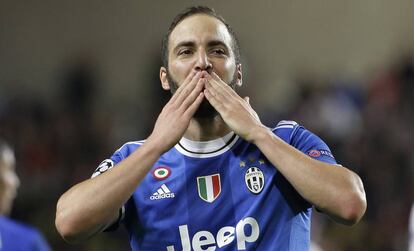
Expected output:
{"points": [[15, 236], [219, 195]]}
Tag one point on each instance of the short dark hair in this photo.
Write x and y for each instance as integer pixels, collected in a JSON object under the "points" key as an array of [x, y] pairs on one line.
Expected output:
{"points": [[188, 13]]}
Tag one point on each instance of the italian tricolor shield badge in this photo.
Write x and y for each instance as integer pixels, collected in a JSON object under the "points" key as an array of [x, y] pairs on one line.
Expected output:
{"points": [[209, 187]]}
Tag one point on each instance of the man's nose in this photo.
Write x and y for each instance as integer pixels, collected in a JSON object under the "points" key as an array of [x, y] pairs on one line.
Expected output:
{"points": [[203, 62]]}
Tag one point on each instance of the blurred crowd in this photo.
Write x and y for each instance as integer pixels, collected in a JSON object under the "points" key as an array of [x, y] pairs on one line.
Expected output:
{"points": [[57, 143], [368, 125], [366, 122]]}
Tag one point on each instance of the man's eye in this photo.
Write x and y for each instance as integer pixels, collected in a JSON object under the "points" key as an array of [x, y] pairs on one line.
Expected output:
{"points": [[218, 51], [185, 52]]}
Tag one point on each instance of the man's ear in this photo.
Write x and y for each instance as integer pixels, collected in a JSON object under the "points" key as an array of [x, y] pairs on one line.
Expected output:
{"points": [[164, 80], [239, 75]]}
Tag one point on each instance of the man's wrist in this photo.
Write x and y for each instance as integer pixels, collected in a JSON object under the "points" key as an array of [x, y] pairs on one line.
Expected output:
{"points": [[260, 134], [155, 146]]}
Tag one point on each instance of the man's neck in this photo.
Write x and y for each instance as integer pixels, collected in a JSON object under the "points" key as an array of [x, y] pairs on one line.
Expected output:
{"points": [[206, 129]]}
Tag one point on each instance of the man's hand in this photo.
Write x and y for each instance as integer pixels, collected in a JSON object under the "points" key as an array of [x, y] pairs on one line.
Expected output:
{"points": [[235, 111], [85, 210], [175, 117]]}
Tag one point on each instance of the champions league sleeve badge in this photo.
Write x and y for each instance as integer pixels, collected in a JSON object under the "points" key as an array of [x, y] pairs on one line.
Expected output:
{"points": [[318, 153], [103, 167], [254, 180]]}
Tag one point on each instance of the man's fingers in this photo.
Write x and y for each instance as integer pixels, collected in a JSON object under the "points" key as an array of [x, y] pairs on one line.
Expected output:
{"points": [[193, 95], [215, 89], [187, 81], [220, 82], [215, 76], [193, 107], [212, 98], [247, 99], [220, 85], [187, 87]]}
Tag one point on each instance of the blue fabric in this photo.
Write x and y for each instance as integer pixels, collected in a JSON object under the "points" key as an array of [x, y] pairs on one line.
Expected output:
{"points": [[276, 218], [16, 236]]}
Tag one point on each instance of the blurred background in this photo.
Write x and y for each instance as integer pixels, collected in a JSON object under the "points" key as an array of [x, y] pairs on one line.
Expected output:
{"points": [[80, 78]]}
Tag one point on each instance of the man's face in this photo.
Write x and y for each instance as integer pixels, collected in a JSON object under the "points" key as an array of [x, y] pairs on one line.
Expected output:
{"points": [[201, 42], [9, 182]]}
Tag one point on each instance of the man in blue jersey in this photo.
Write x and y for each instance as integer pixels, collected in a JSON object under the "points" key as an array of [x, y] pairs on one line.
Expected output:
{"points": [[211, 176], [14, 236]]}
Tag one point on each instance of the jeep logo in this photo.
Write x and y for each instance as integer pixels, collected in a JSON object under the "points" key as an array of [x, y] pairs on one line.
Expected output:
{"points": [[205, 241]]}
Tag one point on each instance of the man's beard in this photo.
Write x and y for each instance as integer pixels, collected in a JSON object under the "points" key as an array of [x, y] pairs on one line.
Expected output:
{"points": [[205, 110]]}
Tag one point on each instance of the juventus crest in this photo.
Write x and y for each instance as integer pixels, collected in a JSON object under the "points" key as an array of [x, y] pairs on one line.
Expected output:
{"points": [[254, 180]]}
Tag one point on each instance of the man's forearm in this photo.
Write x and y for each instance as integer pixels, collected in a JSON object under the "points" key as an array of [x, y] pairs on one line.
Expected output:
{"points": [[90, 206], [335, 190]]}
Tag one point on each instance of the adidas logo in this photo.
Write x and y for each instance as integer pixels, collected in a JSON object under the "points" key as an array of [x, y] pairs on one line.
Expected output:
{"points": [[162, 193]]}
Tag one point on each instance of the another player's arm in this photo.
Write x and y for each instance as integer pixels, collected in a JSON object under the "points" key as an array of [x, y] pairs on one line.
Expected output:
{"points": [[337, 191], [90, 206]]}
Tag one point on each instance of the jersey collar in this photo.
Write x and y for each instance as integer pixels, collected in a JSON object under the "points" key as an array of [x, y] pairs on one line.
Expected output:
{"points": [[205, 149]]}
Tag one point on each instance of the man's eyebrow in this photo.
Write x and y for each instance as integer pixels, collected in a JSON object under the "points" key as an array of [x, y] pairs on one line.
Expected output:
{"points": [[184, 44], [216, 42], [211, 43]]}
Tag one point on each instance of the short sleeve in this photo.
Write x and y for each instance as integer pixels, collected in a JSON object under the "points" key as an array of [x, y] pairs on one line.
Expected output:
{"points": [[304, 140], [107, 164], [311, 145], [119, 155]]}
